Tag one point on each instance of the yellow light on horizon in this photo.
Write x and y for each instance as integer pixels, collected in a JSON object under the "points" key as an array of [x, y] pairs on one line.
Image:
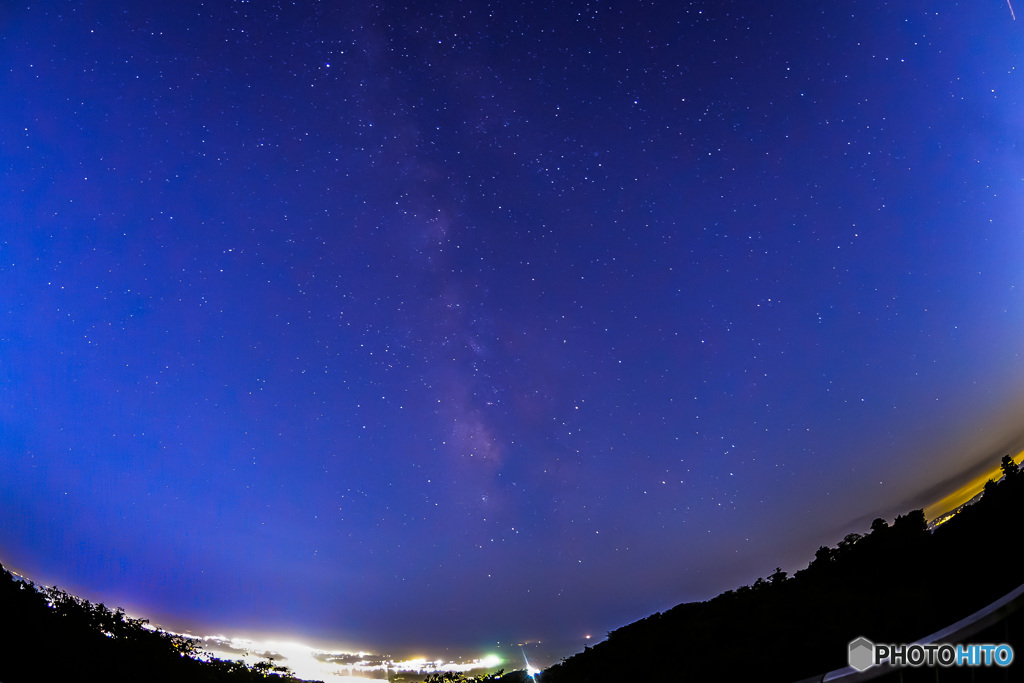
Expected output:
{"points": [[966, 492]]}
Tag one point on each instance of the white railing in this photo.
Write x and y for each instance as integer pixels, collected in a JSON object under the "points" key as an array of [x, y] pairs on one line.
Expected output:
{"points": [[956, 633]]}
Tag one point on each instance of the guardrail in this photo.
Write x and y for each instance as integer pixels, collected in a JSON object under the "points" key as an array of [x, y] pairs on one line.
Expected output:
{"points": [[985, 618]]}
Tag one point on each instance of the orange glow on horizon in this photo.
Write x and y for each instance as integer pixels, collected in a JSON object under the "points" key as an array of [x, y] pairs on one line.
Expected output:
{"points": [[965, 492]]}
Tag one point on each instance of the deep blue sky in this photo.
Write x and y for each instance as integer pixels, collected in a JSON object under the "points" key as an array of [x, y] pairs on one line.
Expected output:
{"points": [[445, 324]]}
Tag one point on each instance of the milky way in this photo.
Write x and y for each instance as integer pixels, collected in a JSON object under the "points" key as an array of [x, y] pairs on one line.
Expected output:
{"points": [[460, 324]]}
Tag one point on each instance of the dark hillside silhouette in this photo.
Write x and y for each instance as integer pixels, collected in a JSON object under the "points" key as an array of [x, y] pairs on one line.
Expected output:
{"points": [[895, 584], [51, 635]]}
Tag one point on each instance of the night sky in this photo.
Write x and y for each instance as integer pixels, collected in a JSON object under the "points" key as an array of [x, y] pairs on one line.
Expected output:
{"points": [[445, 324]]}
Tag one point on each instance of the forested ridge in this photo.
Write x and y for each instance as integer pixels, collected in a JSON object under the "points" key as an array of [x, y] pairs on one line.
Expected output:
{"points": [[894, 584], [51, 635]]}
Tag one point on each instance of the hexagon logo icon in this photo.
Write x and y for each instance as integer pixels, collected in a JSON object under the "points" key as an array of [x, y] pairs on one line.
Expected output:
{"points": [[862, 654]]}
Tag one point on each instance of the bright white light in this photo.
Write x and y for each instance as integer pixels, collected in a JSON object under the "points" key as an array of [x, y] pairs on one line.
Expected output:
{"points": [[307, 662], [531, 670]]}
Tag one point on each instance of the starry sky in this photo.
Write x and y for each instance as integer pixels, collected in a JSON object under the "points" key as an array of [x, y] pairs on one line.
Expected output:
{"points": [[446, 324]]}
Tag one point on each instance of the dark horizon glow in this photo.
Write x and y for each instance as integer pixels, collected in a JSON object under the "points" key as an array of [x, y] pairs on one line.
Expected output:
{"points": [[440, 325]]}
